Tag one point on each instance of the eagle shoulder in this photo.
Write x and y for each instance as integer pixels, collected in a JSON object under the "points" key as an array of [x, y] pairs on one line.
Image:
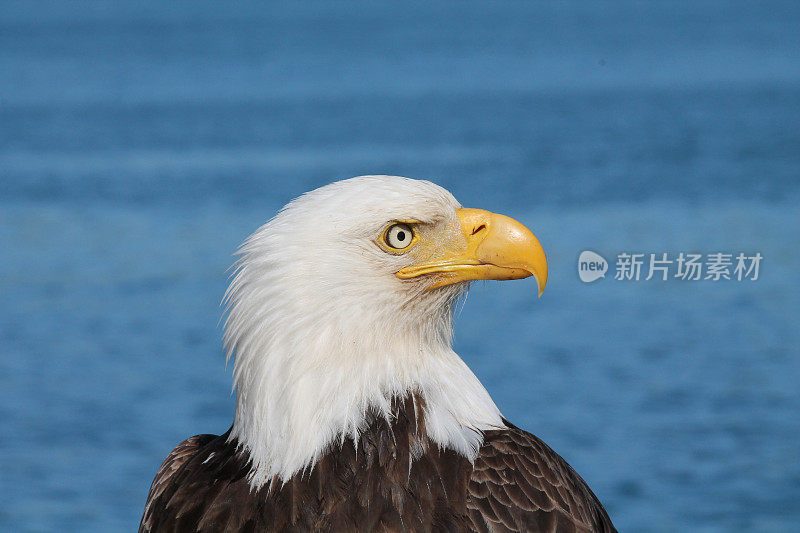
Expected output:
{"points": [[518, 483], [166, 474]]}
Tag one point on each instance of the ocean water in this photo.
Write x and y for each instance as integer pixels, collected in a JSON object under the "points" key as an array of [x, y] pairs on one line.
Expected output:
{"points": [[140, 143]]}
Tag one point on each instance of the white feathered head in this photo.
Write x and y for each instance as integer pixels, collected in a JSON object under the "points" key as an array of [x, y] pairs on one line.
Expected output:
{"points": [[344, 301]]}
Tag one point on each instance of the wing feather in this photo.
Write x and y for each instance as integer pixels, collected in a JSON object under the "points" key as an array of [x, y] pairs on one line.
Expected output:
{"points": [[182, 453], [519, 484]]}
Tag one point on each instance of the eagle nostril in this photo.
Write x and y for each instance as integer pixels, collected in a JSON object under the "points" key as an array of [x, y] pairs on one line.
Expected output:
{"points": [[479, 228]]}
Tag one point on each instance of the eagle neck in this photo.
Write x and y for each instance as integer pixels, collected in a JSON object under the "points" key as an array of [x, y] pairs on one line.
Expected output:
{"points": [[293, 407]]}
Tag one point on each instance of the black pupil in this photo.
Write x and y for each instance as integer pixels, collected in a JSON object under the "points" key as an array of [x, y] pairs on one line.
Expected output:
{"points": [[401, 235]]}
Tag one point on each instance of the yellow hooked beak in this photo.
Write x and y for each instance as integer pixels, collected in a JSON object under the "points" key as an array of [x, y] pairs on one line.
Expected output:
{"points": [[496, 247]]}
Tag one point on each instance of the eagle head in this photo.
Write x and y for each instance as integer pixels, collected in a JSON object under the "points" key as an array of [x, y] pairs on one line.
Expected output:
{"points": [[343, 301]]}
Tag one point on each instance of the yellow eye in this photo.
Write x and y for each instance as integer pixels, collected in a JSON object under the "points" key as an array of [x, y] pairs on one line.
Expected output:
{"points": [[399, 236]]}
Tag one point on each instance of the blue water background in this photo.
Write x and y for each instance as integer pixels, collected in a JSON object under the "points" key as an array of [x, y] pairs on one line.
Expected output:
{"points": [[141, 142]]}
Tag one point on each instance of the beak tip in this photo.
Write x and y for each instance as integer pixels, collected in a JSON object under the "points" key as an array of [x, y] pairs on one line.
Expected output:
{"points": [[540, 284]]}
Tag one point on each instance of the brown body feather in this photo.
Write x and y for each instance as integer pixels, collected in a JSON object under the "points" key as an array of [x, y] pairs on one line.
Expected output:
{"points": [[392, 479]]}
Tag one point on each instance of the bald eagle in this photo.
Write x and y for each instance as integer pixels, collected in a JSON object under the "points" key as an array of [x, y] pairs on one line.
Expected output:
{"points": [[353, 412]]}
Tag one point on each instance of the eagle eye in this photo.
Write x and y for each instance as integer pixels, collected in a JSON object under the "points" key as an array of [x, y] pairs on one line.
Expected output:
{"points": [[399, 236]]}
